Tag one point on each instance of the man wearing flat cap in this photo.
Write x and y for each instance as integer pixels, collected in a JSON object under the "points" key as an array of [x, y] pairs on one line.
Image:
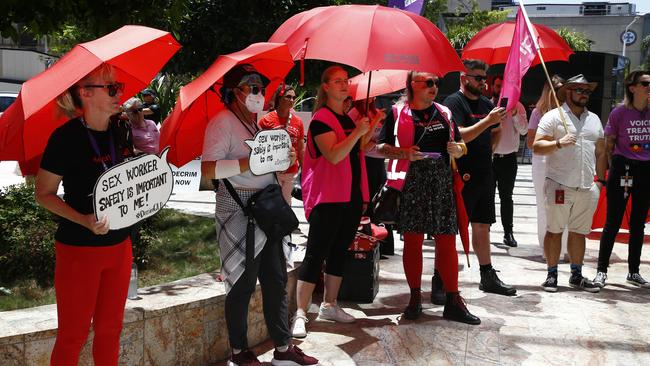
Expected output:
{"points": [[573, 139]]}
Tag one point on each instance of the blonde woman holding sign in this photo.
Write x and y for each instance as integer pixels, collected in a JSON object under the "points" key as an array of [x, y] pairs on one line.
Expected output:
{"points": [[93, 263]]}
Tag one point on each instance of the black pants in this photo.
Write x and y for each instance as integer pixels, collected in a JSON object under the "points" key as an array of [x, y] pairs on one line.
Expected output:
{"points": [[271, 268], [505, 173], [332, 228], [616, 203]]}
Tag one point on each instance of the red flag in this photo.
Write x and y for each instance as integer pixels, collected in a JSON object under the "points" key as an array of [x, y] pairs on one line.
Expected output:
{"points": [[519, 59]]}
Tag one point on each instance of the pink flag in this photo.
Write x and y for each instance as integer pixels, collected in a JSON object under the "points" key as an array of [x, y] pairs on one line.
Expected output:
{"points": [[522, 53]]}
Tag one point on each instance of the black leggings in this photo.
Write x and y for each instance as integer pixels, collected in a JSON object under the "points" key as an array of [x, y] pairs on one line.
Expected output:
{"points": [[616, 203], [332, 228]]}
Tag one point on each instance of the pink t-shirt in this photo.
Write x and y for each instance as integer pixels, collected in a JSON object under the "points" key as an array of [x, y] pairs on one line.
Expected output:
{"points": [[146, 138], [632, 131]]}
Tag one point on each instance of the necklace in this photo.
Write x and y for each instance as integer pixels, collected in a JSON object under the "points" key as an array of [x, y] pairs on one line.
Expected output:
{"points": [[95, 145]]}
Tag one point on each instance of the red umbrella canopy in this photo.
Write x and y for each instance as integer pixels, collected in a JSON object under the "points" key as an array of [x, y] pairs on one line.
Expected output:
{"points": [[199, 100], [369, 37], [381, 82], [492, 44], [137, 53]]}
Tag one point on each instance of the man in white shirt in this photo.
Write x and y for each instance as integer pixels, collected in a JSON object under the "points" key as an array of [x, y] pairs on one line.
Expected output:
{"points": [[504, 159], [575, 152]]}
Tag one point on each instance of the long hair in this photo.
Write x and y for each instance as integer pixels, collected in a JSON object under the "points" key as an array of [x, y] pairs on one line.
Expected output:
{"points": [[632, 79], [69, 102], [545, 102], [321, 96], [280, 92]]}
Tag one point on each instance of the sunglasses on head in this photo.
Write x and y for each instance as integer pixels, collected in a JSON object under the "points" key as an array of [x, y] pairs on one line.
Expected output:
{"points": [[581, 91], [644, 83], [113, 88], [478, 78], [429, 82]]}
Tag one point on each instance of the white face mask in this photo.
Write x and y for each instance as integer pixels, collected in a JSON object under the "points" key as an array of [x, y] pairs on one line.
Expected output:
{"points": [[254, 102]]}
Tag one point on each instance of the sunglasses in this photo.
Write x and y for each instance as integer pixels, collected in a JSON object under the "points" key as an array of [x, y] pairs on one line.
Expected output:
{"points": [[112, 88], [581, 91], [136, 110], [478, 78], [429, 82], [644, 83], [256, 89]]}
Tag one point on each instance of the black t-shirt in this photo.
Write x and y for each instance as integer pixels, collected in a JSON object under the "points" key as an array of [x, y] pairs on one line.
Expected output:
{"points": [[466, 113], [70, 154], [430, 120], [317, 127], [156, 112]]}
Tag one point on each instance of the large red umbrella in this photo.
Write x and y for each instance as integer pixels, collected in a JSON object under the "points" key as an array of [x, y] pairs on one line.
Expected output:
{"points": [[492, 44], [137, 53], [383, 82], [199, 100], [368, 37]]}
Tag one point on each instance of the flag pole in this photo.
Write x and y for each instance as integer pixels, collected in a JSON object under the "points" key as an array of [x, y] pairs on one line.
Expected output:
{"points": [[541, 59]]}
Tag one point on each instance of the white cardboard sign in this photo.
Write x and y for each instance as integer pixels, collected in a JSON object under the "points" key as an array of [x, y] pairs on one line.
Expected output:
{"points": [[269, 151], [187, 177], [133, 190]]}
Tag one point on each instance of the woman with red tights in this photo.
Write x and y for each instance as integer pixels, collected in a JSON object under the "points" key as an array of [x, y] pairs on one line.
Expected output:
{"points": [[93, 263], [421, 140]]}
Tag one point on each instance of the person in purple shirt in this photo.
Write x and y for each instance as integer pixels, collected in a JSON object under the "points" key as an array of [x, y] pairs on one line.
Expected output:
{"points": [[628, 147]]}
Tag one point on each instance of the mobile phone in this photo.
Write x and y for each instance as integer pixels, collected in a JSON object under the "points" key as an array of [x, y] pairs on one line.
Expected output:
{"points": [[504, 102], [430, 155]]}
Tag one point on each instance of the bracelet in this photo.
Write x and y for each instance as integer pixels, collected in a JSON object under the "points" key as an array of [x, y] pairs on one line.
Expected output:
{"points": [[557, 143], [226, 168]]}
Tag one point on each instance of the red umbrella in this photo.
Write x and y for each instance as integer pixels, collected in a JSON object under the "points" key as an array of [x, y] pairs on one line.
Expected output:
{"points": [[137, 53], [383, 81], [368, 37], [492, 44], [462, 220], [199, 100]]}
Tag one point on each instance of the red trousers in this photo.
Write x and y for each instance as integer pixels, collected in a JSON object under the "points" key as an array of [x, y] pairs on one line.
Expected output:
{"points": [[91, 284], [446, 260]]}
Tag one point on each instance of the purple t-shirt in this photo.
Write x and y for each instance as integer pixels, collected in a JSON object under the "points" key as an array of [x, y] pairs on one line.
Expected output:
{"points": [[632, 131]]}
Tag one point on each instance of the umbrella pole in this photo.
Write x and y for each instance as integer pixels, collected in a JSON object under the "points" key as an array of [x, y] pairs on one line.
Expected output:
{"points": [[368, 92]]}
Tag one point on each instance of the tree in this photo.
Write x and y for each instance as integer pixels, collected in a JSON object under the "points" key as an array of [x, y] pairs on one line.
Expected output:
{"points": [[578, 41], [460, 31]]}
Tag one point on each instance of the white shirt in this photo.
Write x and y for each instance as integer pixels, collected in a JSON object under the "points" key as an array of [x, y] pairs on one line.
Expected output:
{"points": [[224, 140], [573, 166], [511, 129]]}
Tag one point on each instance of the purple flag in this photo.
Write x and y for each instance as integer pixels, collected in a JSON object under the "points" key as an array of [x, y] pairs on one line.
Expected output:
{"points": [[414, 6]]}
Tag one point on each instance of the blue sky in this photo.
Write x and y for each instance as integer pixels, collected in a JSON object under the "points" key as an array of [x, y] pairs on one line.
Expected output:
{"points": [[642, 6]]}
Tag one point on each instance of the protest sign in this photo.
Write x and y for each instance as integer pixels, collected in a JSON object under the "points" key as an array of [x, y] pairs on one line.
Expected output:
{"points": [[187, 177], [133, 190], [269, 151]]}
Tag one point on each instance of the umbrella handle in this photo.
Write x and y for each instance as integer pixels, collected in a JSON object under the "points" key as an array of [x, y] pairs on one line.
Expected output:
{"points": [[467, 258]]}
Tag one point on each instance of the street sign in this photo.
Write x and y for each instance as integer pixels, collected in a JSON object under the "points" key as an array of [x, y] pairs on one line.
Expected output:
{"points": [[628, 38]]}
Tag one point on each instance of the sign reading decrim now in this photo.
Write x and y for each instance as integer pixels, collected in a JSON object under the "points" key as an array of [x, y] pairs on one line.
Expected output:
{"points": [[133, 190], [269, 151]]}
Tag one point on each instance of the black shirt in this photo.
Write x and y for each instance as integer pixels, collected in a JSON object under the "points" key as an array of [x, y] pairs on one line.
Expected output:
{"points": [[155, 116], [70, 154], [467, 112], [430, 120], [317, 127]]}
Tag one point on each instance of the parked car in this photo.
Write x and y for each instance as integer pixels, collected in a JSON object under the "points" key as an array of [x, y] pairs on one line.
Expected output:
{"points": [[6, 98]]}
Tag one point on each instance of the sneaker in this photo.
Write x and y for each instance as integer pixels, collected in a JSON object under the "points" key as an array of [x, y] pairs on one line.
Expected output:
{"points": [[637, 280], [335, 313], [550, 285], [412, 312], [600, 279], [456, 310], [490, 282], [578, 281], [437, 290], [294, 356], [244, 358], [298, 326], [509, 240]]}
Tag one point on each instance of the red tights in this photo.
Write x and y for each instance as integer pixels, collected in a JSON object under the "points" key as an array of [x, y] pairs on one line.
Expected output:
{"points": [[446, 260], [91, 284]]}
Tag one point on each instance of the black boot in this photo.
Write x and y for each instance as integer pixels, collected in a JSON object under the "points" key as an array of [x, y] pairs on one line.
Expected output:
{"points": [[437, 289], [414, 308], [456, 310], [490, 282], [509, 240]]}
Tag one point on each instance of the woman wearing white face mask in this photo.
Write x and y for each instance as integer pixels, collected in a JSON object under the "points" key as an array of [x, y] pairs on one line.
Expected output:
{"points": [[225, 156]]}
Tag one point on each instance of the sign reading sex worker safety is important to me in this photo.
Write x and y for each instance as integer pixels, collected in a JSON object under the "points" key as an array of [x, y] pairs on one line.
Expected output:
{"points": [[133, 190], [269, 151]]}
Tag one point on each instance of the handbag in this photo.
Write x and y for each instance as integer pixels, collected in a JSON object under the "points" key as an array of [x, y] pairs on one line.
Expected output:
{"points": [[385, 205], [269, 210]]}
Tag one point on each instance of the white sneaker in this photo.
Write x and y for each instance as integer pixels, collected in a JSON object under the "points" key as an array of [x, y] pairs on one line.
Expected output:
{"points": [[335, 313], [600, 279], [298, 326]]}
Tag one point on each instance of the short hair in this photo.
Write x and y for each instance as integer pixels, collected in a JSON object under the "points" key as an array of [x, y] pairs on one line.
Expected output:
{"points": [[475, 64], [131, 102]]}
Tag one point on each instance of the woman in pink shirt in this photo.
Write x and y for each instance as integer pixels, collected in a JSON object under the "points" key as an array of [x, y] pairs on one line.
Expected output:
{"points": [[145, 133]]}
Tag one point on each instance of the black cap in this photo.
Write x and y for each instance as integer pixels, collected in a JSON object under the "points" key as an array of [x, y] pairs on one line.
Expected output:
{"points": [[149, 92]]}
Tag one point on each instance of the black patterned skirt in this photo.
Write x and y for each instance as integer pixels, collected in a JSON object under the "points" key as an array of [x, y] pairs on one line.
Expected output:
{"points": [[427, 205]]}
